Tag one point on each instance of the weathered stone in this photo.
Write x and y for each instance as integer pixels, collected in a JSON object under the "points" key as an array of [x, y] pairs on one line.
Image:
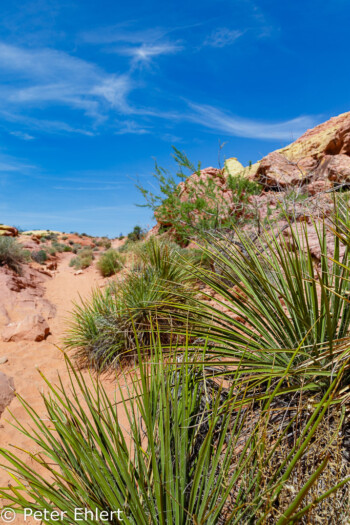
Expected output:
{"points": [[8, 231], [7, 391], [31, 328], [277, 172]]}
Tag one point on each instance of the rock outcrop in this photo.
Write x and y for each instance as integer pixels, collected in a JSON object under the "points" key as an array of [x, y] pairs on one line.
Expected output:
{"points": [[31, 328], [8, 231], [24, 311], [322, 153], [7, 391], [311, 166]]}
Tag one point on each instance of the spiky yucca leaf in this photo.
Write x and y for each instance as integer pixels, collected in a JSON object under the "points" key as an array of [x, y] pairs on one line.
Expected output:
{"points": [[186, 456], [270, 296]]}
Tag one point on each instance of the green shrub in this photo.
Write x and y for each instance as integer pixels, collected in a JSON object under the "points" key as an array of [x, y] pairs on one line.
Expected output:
{"points": [[110, 263], [76, 247], [102, 329], [83, 259], [137, 234], [11, 254], [67, 248], [205, 206], [39, 256]]}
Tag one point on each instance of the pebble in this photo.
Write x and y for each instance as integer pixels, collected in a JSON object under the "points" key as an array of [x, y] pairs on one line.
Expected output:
{"points": [[3, 360]]}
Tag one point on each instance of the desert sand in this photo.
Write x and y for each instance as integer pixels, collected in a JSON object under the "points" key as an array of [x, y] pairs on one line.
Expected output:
{"points": [[25, 358]]}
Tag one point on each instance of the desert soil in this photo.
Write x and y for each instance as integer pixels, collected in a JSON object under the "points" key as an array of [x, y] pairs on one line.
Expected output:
{"points": [[26, 358]]}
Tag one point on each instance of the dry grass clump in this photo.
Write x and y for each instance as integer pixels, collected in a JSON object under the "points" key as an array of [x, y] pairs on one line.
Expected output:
{"points": [[110, 263], [12, 254], [83, 259]]}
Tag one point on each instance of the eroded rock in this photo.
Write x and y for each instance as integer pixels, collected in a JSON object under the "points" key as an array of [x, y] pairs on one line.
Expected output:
{"points": [[31, 328], [7, 391]]}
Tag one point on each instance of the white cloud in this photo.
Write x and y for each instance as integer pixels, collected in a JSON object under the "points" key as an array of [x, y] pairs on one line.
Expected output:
{"points": [[146, 52], [22, 135], [130, 126], [11, 164], [223, 37], [218, 120], [123, 33], [42, 77]]}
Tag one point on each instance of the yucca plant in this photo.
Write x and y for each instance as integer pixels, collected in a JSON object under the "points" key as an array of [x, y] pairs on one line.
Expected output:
{"points": [[269, 296], [102, 329], [186, 455]]}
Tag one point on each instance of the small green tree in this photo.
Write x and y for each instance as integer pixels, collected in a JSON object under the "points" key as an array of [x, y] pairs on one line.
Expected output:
{"points": [[188, 206]]}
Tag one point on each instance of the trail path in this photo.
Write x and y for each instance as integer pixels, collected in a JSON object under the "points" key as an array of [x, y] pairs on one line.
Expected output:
{"points": [[25, 358]]}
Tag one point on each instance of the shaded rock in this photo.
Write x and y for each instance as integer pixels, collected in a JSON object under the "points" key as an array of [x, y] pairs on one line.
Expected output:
{"points": [[31, 328], [7, 391], [277, 172], [336, 168], [3, 360]]}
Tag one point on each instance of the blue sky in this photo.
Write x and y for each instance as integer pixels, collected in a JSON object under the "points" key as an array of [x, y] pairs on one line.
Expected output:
{"points": [[91, 92]]}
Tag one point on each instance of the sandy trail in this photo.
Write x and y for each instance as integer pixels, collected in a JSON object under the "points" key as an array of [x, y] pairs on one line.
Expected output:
{"points": [[25, 358]]}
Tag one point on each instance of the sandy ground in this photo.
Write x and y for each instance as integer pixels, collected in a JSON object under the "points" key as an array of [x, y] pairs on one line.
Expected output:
{"points": [[25, 358]]}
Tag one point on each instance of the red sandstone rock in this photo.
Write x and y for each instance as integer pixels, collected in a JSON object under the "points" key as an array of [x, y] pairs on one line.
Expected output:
{"points": [[277, 172], [22, 297], [7, 391], [31, 328]]}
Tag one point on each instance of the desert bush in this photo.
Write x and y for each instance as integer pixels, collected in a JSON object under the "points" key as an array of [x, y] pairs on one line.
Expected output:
{"points": [[58, 246], [76, 247], [110, 263], [39, 256], [189, 456], [11, 254], [102, 331], [205, 207], [84, 258], [137, 234]]}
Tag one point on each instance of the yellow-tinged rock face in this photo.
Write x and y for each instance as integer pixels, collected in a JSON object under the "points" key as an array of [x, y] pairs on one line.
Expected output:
{"points": [[329, 138], [8, 231], [233, 167]]}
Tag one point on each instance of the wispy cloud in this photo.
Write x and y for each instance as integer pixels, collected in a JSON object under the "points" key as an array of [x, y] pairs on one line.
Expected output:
{"points": [[222, 37], [11, 164], [220, 121], [146, 52], [124, 32], [131, 127], [84, 188], [22, 135], [35, 78]]}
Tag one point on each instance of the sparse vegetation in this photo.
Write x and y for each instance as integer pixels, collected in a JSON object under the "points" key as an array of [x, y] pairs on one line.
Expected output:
{"points": [[12, 254], [110, 263], [39, 256], [205, 206], [236, 411], [83, 259]]}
